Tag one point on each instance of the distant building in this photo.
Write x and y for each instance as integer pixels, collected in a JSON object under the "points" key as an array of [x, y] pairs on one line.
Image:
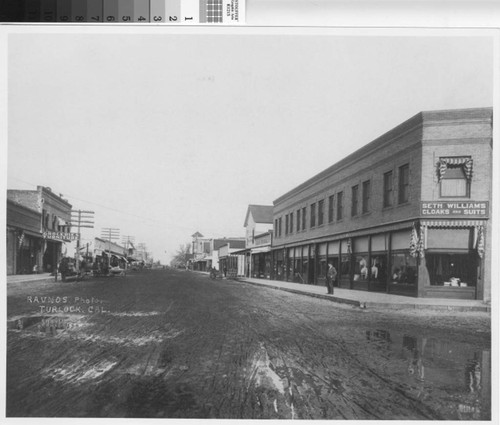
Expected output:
{"points": [[409, 213], [201, 251], [231, 262], [38, 225], [258, 229]]}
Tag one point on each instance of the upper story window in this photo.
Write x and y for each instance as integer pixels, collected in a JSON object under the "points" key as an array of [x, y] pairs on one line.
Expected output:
{"points": [[276, 227], [354, 200], [313, 214], [287, 224], [304, 218], [291, 222], [331, 200], [388, 189], [340, 205], [455, 174], [279, 227], [404, 184], [298, 219], [321, 212], [366, 196]]}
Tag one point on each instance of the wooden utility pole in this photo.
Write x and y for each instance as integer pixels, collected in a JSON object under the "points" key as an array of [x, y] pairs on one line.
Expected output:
{"points": [[80, 218], [109, 234]]}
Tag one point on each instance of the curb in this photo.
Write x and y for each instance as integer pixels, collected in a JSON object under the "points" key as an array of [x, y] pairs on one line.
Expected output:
{"points": [[374, 305]]}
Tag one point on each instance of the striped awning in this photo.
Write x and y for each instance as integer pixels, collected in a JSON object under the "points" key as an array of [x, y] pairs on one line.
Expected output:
{"points": [[452, 223], [464, 161]]}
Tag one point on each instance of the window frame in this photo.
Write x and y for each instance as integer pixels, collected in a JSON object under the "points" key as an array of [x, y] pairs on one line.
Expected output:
{"points": [[312, 218], [354, 200], [331, 208], [365, 196], [340, 205], [321, 212], [467, 185]]}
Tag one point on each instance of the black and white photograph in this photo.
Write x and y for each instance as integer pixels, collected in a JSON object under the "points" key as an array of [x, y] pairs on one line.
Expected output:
{"points": [[250, 223]]}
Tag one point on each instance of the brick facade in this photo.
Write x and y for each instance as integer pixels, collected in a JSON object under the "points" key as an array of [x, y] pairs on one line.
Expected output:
{"points": [[415, 147]]}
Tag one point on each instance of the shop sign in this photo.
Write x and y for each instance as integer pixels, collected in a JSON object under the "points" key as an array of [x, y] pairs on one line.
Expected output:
{"points": [[65, 236], [476, 209]]}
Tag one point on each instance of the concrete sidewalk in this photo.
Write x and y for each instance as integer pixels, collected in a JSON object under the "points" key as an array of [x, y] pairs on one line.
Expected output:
{"points": [[31, 277], [366, 299]]}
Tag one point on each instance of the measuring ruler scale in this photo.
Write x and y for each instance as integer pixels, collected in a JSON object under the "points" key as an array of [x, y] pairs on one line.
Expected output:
{"points": [[124, 11]]}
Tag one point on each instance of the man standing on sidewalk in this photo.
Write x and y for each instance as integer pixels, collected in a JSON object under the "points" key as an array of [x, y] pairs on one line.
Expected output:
{"points": [[331, 275]]}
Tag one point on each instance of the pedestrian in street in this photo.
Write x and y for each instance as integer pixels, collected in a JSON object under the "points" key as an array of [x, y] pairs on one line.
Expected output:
{"points": [[331, 275]]}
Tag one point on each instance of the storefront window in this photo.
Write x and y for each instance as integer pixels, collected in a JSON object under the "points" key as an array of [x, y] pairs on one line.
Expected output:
{"points": [[344, 266], [267, 271], [322, 268], [404, 268], [361, 268], [458, 270], [305, 271], [378, 267]]}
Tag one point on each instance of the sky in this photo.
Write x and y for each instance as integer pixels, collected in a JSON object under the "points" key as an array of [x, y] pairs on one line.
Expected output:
{"points": [[164, 134]]}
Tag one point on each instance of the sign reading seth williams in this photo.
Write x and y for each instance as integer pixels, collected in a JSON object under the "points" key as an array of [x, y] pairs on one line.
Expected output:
{"points": [[476, 209]]}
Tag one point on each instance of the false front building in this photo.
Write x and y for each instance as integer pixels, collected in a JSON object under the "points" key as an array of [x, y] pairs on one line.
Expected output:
{"points": [[409, 213]]}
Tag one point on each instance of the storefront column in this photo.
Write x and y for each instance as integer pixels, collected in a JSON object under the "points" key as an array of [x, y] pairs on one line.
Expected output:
{"points": [[316, 263], [389, 263]]}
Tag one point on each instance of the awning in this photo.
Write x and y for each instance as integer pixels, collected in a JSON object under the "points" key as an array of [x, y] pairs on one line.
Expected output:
{"points": [[34, 234], [465, 161], [452, 223], [261, 249], [120, 257]]}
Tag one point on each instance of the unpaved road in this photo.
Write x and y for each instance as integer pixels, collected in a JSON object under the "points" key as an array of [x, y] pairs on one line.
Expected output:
{"points": [[175, 344]]}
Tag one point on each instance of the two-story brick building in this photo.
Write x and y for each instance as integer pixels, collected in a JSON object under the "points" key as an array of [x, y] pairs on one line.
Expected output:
{"points": [[408, 213], [45, 239]]}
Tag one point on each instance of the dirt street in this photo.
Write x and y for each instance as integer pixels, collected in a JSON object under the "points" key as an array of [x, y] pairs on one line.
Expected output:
{"points": [[175, 344]]}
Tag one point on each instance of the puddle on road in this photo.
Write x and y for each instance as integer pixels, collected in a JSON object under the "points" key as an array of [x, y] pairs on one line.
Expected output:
{"points": [[74, 325], [456, 375], [46, 325]]}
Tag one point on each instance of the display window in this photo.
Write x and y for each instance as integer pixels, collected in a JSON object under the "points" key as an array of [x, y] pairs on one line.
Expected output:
{"points": [[322, 268], [452, 269], [305, 270], [345, 266], [378, 269], [361, 271], [403, 268], [267, 270]]}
